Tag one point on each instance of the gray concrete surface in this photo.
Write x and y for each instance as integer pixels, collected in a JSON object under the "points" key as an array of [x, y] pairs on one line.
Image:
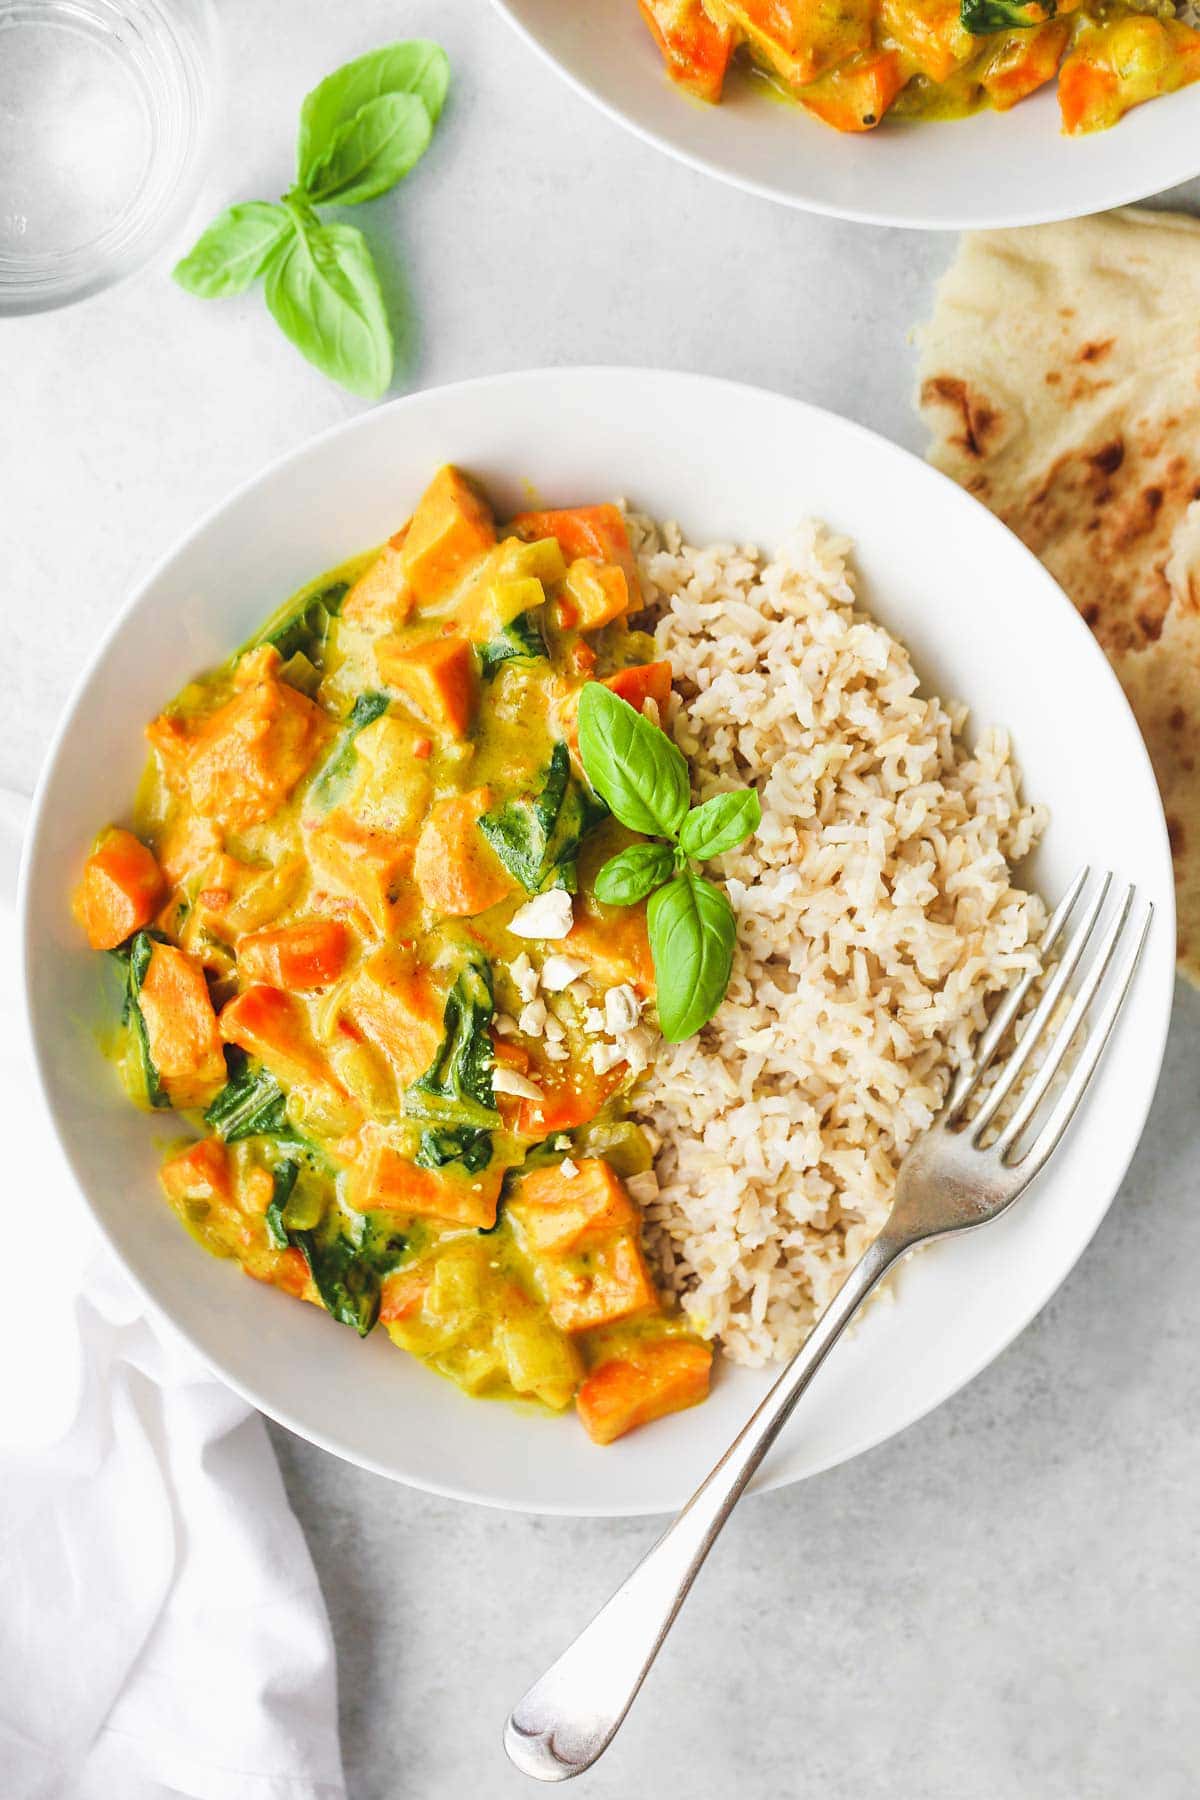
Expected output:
{"points": [[1001, 1604]]}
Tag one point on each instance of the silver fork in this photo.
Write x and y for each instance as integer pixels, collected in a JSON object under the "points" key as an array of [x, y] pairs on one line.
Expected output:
{"points": [[950, 1181]]}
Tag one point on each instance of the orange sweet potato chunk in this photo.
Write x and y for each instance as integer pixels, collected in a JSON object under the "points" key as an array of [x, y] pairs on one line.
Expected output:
{"points": [[201, 1172], [272, 1025], [652, 1379], [396, 1006], [240, 764], [451, 529], [390, 1183], [382, 590], [599, 1284], [694, 47], [181, 1027], [648, 681], [437, 676], [372, 867], [558, 1213], [121, 890], [299, 958], [456, 868]]}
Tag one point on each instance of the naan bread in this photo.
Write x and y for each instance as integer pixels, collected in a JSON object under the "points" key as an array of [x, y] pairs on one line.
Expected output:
{"points": [[1060, 376]]}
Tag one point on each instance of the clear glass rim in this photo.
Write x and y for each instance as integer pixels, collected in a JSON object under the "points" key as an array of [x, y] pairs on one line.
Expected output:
{"points": [[171, 51]]}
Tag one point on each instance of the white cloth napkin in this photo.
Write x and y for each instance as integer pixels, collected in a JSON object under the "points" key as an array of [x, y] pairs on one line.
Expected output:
{"points": [[162, 1632]]}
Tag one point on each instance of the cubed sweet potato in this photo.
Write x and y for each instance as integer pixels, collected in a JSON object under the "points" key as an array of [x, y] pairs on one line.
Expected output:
{"points": [[616, 946], [598, 1285], [650, 1379], [373, 867], [121, 890], [557, 1213], [437, 675], [382, 591], [299, 958], [451, 528], [200, 1172], [181, 1027], [241, 763], [239, 897], [646, 681], [855, 95], [695, 48], [389, 1182], [273, 1026], [593, 594], [932, 34], [394, 1003], [456, 869], [402, 1292], [799, 42], [571, 1094], [1025, 61]]}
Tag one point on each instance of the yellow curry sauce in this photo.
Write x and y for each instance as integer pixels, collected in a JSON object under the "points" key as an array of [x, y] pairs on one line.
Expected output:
{"points": [[361, 949], [849, 62]]}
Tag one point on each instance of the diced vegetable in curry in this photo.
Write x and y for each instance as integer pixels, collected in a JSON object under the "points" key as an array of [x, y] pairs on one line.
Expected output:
{"points": [[361, 951], [849, 62]]}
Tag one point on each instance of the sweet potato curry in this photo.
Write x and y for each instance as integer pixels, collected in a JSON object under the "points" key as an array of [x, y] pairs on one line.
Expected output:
{"points": [[360, 948], [851, 61]]}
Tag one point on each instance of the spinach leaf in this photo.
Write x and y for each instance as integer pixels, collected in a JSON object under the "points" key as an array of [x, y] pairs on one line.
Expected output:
{"points": [[537, 836], [283, 1180], [522, 640], [415, 67], [456, 1090], [323, 292], [304, 628], [463, 1144], [692, 935], [981, 16], [633, 766], [372, 151], [633, 873], [251, 1104], [137, 961], [346, 1282], [720, 824], [332, 778], [234, 250]]}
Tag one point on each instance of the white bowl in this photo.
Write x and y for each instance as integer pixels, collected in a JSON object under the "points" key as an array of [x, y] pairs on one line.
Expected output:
{"points": [[985, 623], [993, 169]]}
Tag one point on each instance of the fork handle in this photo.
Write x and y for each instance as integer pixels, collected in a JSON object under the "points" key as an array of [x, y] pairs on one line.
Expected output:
{"points": [[569, 1717]]}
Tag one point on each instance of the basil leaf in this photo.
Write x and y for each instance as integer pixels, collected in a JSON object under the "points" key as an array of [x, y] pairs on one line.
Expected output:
{"points": [[631, 764], [234, 250], [415, 67], [633, 873], [720, 824], [372, 151], [323, 293], [692, 934]]}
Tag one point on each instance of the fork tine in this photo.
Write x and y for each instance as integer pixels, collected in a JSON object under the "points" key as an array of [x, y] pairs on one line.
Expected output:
{"points": [[1043, 1012], [1050, 1136], [968, 1079], [1063, 1038]]}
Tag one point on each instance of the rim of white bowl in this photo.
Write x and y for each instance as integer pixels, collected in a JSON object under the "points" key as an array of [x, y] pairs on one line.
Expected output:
{"points": [[1149, 1069]]}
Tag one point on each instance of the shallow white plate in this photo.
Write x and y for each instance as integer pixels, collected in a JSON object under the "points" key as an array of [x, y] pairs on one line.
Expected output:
{"points": [[995, 169], [984, 621]]}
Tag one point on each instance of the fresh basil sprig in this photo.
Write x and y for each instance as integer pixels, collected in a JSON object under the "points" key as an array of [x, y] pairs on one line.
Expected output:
{"points": [[362, 130], [643, 776]]}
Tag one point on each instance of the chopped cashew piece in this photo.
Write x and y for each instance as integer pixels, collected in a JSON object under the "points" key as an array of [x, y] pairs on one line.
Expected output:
{"points": [[507, 1081], [593, 1020], [568, 1168], [558, 972], [556, 1052], [621, 1009], [556, 1031], [505, 1025], [548, 915], [525, 976], [606, 1057], [532, 1020]]}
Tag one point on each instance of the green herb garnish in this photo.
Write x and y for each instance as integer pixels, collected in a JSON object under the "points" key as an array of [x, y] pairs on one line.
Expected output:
{"points": [[643, 776], [362, 130]]}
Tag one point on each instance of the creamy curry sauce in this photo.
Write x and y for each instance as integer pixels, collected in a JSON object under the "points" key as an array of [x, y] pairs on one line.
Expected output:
{"points": [[361, 952]]}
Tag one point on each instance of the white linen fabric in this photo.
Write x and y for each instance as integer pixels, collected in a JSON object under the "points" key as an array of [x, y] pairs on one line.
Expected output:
{"points": [[162, 1632]]}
